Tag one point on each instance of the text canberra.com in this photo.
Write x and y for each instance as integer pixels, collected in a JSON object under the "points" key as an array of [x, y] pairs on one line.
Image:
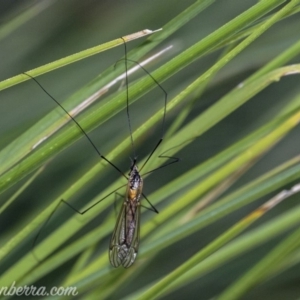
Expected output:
{"points": [[32, 290]]}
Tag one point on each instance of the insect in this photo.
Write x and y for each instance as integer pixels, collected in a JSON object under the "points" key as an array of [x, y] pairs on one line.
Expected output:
{"points": [[124, 243]]}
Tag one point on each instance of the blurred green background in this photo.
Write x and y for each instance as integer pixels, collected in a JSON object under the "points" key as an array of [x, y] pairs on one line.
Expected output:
{"points": [[61, 28]]}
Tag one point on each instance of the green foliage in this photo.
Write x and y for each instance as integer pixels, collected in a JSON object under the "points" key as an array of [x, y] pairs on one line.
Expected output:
{"points": [[232, 118]]}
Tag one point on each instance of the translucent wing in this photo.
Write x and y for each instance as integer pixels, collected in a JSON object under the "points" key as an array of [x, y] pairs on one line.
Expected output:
{"points": [[124, 243]]}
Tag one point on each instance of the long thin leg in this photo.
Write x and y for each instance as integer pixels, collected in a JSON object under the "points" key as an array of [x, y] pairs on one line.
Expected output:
{"points": [[78, 125], [165, 105], [175, 160], [74, 209], [152, 206]]}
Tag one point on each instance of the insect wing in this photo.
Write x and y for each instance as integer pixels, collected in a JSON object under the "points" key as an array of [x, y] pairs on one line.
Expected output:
{"points": [[126, 236], [135, 239]]}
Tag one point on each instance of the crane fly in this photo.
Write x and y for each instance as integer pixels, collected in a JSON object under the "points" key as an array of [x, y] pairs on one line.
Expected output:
{"points": [[125, 239]]}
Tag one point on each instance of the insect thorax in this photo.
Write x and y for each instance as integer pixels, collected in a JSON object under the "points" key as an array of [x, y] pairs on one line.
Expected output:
{"points": [[135, 184]]}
